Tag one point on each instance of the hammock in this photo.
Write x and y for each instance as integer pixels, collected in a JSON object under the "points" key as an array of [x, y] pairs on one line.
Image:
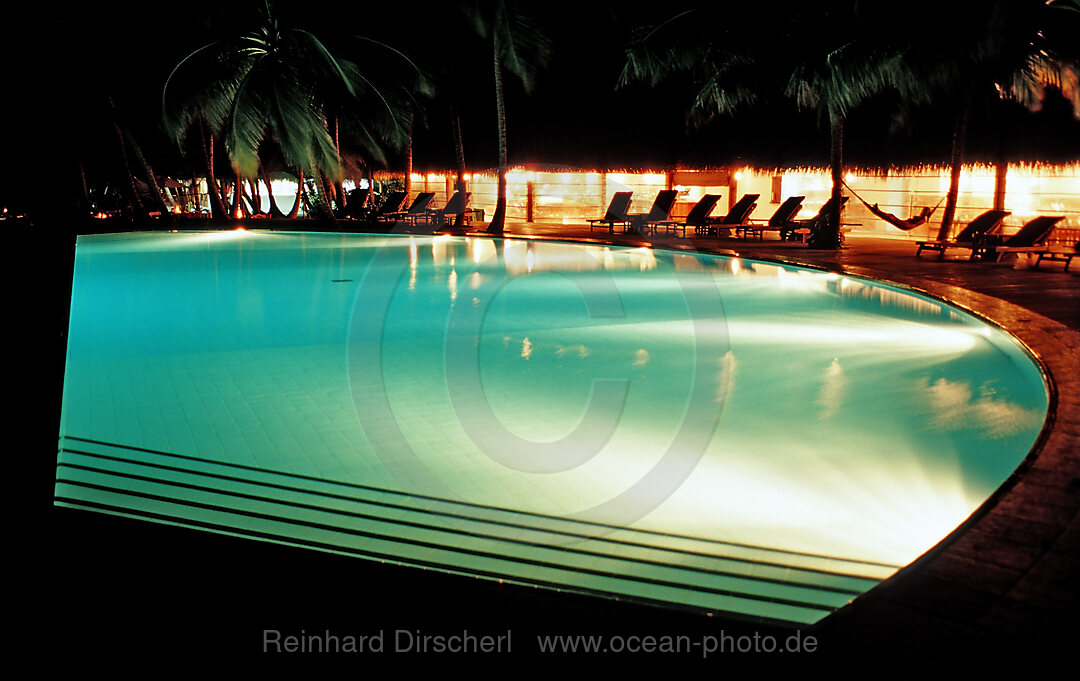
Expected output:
{"points": [[900, 223]]}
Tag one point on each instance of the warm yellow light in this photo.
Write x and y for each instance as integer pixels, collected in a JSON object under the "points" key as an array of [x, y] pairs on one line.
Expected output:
{"points": [[738, 175], [644, 258], [908, 339], [481, 250], [850, 177]]}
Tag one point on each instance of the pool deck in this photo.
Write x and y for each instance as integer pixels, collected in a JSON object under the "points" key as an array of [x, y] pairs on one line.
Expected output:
{"points": [[1009, 578]]}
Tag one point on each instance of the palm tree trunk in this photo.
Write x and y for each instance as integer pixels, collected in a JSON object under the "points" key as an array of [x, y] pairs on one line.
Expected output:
{"points": [[151, 180], [828, 236], [217, 204], [956, 162], [251, 197], [339, 188], [84, 199], [136, 203], [234, 209], [370, 202], [191, 196], [325, 188], [275, 212], [459, 154], [1001, 173], [299, 195], [408, 159], [498, 220]]}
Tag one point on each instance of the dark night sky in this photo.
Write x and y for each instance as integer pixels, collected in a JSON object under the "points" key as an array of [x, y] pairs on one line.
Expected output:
{"points": [[61, 63]]}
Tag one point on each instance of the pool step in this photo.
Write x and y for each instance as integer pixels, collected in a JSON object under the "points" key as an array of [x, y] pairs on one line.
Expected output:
{"points": [[459, 536]]}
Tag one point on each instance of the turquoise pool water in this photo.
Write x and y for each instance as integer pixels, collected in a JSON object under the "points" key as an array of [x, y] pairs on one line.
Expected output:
{"points": [[698, 431]]}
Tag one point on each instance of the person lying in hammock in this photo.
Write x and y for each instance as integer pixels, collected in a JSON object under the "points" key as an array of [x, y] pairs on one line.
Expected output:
{"points": [[908, 224]]}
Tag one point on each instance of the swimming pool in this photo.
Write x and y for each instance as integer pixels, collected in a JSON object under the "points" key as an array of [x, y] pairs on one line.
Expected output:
{"points": [[685, 429]]}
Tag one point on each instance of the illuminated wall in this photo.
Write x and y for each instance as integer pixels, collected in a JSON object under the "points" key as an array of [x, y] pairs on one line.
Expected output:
{"points": [[1029, 191], [548, 196], [574, 196], [571, 197]]}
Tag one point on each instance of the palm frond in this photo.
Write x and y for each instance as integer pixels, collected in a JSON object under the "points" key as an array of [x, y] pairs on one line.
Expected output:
{"points": [[247, 124], [525, 48], [273, 88]]}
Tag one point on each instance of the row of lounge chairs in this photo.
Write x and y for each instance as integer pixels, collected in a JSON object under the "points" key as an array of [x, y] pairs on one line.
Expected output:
{"points": [[419, 211], [973, 237], [981, 237], [737, 219]]}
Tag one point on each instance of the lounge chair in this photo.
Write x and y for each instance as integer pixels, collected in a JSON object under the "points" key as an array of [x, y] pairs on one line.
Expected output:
{"points": [[1057, 254], [972, 237], [617, 212], [737, 217], [1031, 236], [1031, 239], [697, 217], [391, 204], [802, 228], [780, 220], [659, 212], [1060, 253], [416, 208], [441, 216]]}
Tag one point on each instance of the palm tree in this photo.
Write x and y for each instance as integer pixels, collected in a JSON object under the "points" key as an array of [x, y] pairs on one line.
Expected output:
{"points": [[821, 56], [981, 52], [839, 67], [379, 113], [280, 86], [518, 46]]}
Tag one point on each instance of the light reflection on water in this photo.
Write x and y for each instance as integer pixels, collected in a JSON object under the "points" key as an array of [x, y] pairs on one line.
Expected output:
{"points": [[857, 420]]}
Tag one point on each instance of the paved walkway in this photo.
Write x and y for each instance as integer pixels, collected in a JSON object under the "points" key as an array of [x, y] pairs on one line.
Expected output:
{"points": [[1009, 578]]}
